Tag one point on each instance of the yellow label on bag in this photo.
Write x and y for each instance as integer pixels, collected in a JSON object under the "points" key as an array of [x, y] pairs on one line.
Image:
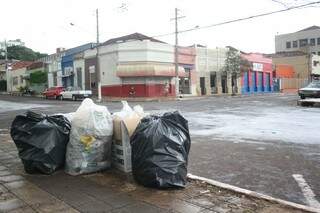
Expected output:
{"points": [[87, 141]]}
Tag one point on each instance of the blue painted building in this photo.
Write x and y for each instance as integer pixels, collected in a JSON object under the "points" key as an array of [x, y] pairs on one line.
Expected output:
{"points": [[67, 63], [257, 79]]}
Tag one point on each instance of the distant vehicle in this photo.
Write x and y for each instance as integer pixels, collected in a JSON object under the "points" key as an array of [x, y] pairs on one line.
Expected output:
{"points": [[310, 91], [75, 93], [53, 92]]}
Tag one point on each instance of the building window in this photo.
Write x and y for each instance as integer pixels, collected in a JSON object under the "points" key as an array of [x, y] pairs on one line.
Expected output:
{"points": [[288, 44], [21, 79], [303, 42], [15, 80], [312, 42], [314, 53], [318, 53], [318, 41], [295, 44]]}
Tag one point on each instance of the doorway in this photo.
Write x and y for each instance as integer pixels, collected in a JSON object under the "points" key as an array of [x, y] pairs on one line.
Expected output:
{"points": [[224, 82], [213, 84], [234, 83], [203, 85]]}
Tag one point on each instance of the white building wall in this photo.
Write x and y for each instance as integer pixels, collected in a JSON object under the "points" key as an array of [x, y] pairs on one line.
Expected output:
{"points": [[208, 60], [280, 40], [108, 69], [315, 65], [129, 52], [54, 66], [79, 63], [18, 73]]}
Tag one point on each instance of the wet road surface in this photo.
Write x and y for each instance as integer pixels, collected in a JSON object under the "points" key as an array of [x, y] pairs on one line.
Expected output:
{"points": [[259, 143]]}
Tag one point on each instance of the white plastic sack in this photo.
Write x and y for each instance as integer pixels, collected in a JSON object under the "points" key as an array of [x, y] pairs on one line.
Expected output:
{"points": [[127, 111], [89, 148], [130, 117]]}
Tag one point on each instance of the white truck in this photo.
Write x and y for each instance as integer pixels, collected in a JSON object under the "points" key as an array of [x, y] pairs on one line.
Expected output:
{"points": [[75, 93]]}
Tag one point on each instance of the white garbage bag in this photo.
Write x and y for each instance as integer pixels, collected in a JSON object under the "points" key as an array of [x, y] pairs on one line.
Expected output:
{"points": [[131, 118], [89, 148]]}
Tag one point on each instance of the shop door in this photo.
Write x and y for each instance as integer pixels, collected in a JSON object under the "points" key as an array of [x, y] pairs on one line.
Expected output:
{"points": [[268, 89], [246, 87], [253, 82], [203, 85]]}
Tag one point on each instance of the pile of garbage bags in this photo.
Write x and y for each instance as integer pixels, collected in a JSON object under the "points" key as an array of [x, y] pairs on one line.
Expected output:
{"points": [[83, 142]]}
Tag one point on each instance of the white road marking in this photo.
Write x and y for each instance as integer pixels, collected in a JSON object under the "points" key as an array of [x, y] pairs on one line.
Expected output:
{"points": [[307, 191]]}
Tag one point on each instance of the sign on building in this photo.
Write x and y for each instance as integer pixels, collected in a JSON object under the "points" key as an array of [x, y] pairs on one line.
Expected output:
{"points": [[315, 65], [68, 71], [92, 69], [257, 67]]}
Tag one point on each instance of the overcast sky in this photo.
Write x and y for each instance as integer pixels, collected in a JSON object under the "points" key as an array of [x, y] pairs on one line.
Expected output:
{"points": [[45, 25]]}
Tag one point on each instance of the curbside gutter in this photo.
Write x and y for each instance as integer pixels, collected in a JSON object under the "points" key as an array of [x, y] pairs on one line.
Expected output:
{"points": [[253, 194]]}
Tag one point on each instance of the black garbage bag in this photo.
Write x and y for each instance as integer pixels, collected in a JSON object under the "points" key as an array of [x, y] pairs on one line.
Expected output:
{"points": [[41, 141], [160, 149]]}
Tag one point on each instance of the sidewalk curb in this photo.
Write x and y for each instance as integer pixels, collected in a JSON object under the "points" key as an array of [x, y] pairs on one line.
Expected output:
{"points": [[254, 194]]}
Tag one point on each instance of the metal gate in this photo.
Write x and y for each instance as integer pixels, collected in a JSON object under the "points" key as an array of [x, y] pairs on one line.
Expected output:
{"points": [[268, 88], [253, 82], [245, 86]]}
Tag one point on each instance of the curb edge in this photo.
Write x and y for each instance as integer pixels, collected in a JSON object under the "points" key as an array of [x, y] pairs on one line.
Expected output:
{"points": [[254, 194]]}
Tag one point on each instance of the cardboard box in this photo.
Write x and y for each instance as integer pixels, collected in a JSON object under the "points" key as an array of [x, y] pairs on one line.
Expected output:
{"points": [[121, 148]]}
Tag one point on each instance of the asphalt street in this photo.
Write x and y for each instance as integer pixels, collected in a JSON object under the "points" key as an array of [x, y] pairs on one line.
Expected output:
{"points": [[264, 143]]}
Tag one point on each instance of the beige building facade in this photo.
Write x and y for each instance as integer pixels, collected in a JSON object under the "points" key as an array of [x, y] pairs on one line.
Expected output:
{"points": [[299, 61], [211, 78]]}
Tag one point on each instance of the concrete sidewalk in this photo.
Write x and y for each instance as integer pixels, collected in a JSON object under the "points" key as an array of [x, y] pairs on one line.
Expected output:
{"points": [[112, 191]]}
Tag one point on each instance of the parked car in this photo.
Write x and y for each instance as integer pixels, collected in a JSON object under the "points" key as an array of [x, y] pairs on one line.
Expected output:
{"points": [[75, 93], [53, 92], [310, 91]]}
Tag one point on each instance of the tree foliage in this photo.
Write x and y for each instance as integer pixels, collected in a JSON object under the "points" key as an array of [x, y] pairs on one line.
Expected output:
{"points": [[23, 53], [234, 63], [38, 77]]}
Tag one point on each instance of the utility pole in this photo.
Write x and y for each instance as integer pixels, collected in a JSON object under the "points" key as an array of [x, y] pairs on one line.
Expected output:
{"points": [[176, 52], [6, 62], [98, 74], [176, 62]]}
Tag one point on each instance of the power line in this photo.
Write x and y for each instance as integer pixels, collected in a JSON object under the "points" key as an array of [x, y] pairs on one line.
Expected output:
{"points": [[238, 20], [242, 19]]}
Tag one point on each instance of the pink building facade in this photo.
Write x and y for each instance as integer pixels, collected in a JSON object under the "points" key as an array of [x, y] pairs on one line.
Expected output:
{"points": [[258, 78]]}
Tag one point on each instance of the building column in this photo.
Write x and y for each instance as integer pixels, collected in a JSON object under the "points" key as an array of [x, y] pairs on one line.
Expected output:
{"points": [[229, 83], [239, 82], [219, 86]]}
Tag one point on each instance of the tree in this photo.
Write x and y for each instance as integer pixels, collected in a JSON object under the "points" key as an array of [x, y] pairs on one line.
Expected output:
{"points": [[22, 53], [234, 63]]}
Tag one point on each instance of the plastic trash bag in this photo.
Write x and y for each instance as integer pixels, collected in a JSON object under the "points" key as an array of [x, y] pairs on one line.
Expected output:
{"points": [[89, 149], [160, 149], [41, 141], [131, 118]]}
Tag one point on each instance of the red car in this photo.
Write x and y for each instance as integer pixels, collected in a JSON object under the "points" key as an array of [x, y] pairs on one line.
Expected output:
{"points": [[53, 92]]}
